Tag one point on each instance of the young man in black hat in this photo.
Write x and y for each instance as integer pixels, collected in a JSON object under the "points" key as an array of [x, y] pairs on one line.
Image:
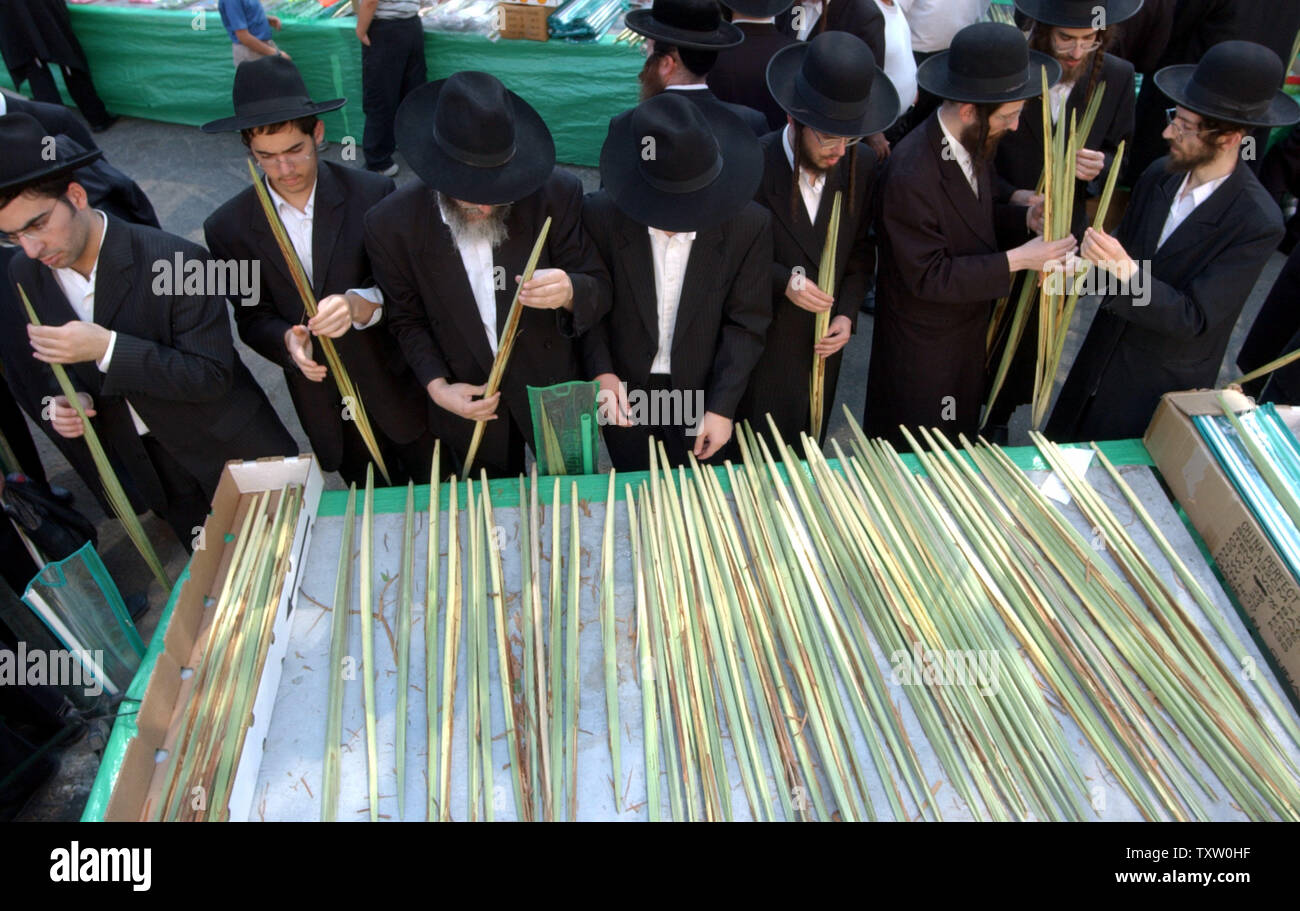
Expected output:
{"points": [[449, 251], [683, 38], [1076, 33], [151, 355], [1196, 235], [690, 258], [952, 236], [821, 142], [740, 73], [321, 205]]}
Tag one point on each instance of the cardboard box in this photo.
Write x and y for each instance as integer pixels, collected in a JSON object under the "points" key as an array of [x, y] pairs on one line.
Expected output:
{"points": [[526, 20], [1265, 591], [162, 687]]}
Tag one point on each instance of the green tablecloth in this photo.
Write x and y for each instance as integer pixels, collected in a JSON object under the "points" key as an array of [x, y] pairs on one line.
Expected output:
{"points": [[161, 65]]}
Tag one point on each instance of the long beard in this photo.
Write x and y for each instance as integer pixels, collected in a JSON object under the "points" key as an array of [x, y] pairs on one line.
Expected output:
{"points": [[492, 229], [976, 140]]}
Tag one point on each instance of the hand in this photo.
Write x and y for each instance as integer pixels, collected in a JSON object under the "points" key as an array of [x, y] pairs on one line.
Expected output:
{"points": [[1108, 254], [333, 317], [458, 398], [71, 343], [1034, 215], [283, 54], [274, 22], [803, 292], [612, 400], [841, 329], [879, 144], [1088, 164], [548, 289], [1037, 253], [714, 432], [64, 418], [298, 342], [362, 36]]}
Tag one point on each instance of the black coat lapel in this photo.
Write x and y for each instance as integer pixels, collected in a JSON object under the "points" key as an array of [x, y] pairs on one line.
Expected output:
{"points": [[699, 284], [450, 285], [326, 218], [977, 213], [264, 240], [637, 258], [1204, 217]]}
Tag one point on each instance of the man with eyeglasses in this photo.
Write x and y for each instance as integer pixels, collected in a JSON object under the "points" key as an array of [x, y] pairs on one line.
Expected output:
{"points": [[818, 154], [952, 236], [1196, 235], [321, 206], [155, 366], [1066, 30]]}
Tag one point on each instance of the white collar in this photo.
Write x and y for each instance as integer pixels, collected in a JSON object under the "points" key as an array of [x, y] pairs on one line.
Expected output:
{"points": [[1202, 192], [694, 86], [664, 235]]}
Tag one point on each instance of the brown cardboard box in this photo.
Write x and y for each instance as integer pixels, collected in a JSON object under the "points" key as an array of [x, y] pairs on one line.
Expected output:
{"points": [[525, 20], [1266, 591], [142, 768]]}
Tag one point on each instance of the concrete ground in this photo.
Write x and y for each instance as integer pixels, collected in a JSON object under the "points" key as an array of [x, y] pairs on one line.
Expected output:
{"points": [[187, 174]]}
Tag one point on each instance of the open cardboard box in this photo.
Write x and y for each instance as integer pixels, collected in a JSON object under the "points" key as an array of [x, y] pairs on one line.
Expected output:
{"points": [[132, 773], [1266, 592]]}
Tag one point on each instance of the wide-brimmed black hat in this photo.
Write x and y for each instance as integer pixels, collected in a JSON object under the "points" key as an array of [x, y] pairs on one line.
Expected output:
{"points": [[695, 24], [1235, 81], [1079, 13], [669, 165], [269, 90], [26, 147], [759, 9], [833, 85], [472, 138], [987, 63]]}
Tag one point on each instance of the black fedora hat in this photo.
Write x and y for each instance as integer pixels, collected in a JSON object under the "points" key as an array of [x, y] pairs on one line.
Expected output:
{"points": [[472, 138], [987, 63], [701, 168], [269, 90], [759, 9], [695, 24], [833, 85], [1079, 13], [1235, 81], [25, 160]]}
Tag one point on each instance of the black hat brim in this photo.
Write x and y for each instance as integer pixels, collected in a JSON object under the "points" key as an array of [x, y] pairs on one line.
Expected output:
{"points": [[882, 105], [734, 187], [290, 111], [56, 169], [521, 176], [1173, 80], [1048, 13], [933, 76], [643, 22], [760, 9]]}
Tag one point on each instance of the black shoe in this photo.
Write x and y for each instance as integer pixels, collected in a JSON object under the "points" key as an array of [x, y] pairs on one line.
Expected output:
{"points": [[107, 124]]}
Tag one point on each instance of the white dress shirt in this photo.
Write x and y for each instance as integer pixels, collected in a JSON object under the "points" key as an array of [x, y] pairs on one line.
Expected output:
{"points": [[899, 64], [80, 292], [812, 11], [1185, 203], [476, 256], [935, 22], [670, 253], [961, 156], [299, 225], [811, 184]]}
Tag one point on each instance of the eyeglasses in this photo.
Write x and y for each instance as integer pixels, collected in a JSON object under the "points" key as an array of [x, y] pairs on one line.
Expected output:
{"points": [[829, 142], [1085, 45], [35, 229], [1171, 115], [283, 160]]}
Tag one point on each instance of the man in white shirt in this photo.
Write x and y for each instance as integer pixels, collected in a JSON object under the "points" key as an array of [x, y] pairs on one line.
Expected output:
{"points": [[690, 258], [321, 206], [155, 365], [1197, 232]]}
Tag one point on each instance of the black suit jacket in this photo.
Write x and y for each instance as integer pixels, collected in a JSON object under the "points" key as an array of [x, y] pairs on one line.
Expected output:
{"points": [[740, 74], [174, 361], [1275, 332], [55, 118], [705, 98], [431, 309], [722, 315], [941, 267], [239, 230], [1136, 351], [1020, 154], [781, 380], [857, 17]]}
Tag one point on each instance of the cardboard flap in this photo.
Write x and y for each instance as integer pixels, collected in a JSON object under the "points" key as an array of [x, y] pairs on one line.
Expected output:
{"points": [[1206, 401]]}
